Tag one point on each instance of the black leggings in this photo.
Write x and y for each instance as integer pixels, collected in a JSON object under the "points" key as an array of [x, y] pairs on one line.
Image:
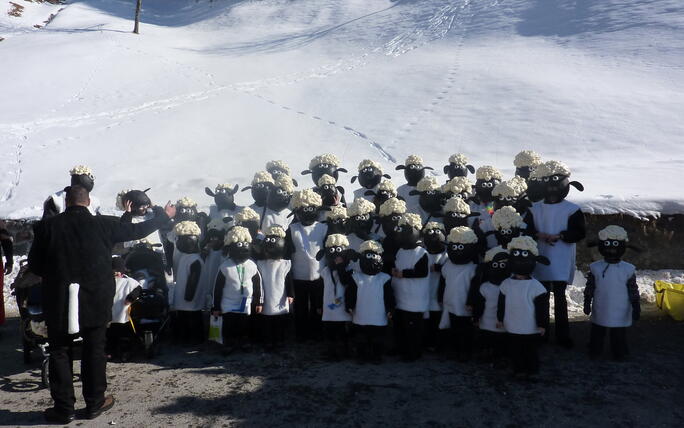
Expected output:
{"points": [[462, 335], [274, 328], [188, 327], [618, 340], [408, 331], [560, 310], [369, 340], [235, 329], [308, 306], [523, 352]]}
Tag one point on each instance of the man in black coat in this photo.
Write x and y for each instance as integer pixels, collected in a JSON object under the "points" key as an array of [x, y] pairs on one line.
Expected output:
{"points": [[76, 247]]}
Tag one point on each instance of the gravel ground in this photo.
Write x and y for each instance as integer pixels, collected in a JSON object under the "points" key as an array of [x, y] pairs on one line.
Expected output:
{"points": [[200, 387]]}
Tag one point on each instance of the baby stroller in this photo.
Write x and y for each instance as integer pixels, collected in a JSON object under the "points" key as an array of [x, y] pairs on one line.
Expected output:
{"points": [[26, 289]]}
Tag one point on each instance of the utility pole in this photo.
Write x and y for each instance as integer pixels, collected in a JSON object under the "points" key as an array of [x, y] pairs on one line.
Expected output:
{"points": [[138, 6]]}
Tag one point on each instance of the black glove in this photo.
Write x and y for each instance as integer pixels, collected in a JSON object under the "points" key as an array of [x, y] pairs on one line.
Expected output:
{"points": [[636, 312], [8, 268], [587, 307]]}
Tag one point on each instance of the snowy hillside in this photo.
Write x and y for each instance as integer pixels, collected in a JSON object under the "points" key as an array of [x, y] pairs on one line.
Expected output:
{"points": [[211, 90]]}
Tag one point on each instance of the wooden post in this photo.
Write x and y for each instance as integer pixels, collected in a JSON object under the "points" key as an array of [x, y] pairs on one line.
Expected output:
{"points": [[138, 6]]}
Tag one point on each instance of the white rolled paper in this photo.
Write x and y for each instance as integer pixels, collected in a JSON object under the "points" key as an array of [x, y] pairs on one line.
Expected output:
{"points": [[73, 326]]}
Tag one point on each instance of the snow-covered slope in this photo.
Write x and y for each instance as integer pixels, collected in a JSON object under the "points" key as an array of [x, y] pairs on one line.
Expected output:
{"points": [[210, 91]]}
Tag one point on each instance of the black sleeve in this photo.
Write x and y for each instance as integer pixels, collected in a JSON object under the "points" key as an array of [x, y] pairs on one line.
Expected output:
{"points": [[49, 209], [127, 217], [37, 257], [122, 232], [289, 245], [388, 296], [350, 288], [420, 270], [7, 246], [539, 311], [193, 281], [257, 291], [477, 302], [474, 288], [576, 230], [589, 289], [218, 291], [501, 307], [633, 292], [133, 295], [289, 284], [531, 230], [440, 289]]}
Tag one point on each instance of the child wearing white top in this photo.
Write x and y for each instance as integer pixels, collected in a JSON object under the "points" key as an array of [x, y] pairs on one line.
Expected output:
{"points": [[127, 291]]}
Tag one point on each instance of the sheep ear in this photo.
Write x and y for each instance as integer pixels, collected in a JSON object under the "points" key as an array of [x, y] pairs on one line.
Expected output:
{"points": [[235, 189], [414, 193], [244, 189], [387, 176], [634, 248], [577, 185], [320, 254], [401, 198], [209, 192], [446, 169], [340, 189], [342, 170], [429, 167], [227, 219], [475, 214], [354, 255], [471, 169], [592, 244], [400, 167], [295, 182], [543, 260], [306, 171], [353, 179], [146, 190]]}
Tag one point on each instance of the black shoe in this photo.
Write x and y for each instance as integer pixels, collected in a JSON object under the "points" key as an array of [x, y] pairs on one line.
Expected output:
{"points": [[106, 405], [53, 416]]}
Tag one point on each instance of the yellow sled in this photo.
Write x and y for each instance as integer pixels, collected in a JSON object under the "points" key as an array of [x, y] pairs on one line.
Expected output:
{"points": [[670, 298]]}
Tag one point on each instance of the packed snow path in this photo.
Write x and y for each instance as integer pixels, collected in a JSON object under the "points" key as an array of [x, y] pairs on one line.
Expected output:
{"points": [[209, 91]]}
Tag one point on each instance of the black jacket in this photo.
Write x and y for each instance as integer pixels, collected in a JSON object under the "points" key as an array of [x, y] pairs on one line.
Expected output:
{"points": [[76, 247]]}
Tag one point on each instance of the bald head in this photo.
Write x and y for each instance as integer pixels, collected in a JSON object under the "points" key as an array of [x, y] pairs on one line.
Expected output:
{"points": [[77, 196]]}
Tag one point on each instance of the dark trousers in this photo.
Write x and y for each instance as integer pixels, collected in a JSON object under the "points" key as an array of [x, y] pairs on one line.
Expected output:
{"points": [[462, 335], [432, 331], [618, 340], [274, 328], [493, 344], [119, 336], [235, 329], [188, 327], [308, 308], [523, 352], [408, 332], [93, 368], [562, 325], [336, 338], [369, 340]]}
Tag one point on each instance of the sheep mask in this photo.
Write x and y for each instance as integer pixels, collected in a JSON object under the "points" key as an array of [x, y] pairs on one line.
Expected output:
{"points": [[273, 245], [407, 231], [434, 237], [238, 243], [495, 265], [249, 219], [509, 193], [525, 162], [370, 257], [389, 214], [414, 169], [456, 213], [280, 193], [385, 191], [306, 205], [507, 224], [336, 252], [329, 190], [224, 196], [430, 197], [187, 237], [487, 177], [277, 169], [612, 243], [260, 188], [326, 164], [523, 256], [82, 175], [557, 182], [370, 173], [186, 210], [361, 217], [139, 200], [458, 166], [336, 219], [462, 245]]}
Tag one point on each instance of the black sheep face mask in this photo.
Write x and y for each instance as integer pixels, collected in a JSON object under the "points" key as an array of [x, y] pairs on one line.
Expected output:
{"points": [[260, 192], [239, 251], [370, 263], [274, 247], [336, 256], [483, 189], [460, 254], [453, 219], [504, 236], [454, 170], [307, 215], [497, 270], [322, 169], [277, 172], [140, 202], [223, 198], [329, 194], [337, 225], [612, 250], [433, 239], [523, 262], [369, 177], [381, 196], [413, 173], [215, 238], [504, 201], [278, 198], [360, 225], [252, 226], [536, 190], [406, 235], [431, 201], [523, 171], [186, 214], [389, 223], [557, 188], [83, 180], [188, 244]]}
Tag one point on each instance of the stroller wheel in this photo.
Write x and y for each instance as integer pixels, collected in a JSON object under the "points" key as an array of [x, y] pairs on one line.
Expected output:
{"points": [[149, 344], [27, 350], [45, 373]]}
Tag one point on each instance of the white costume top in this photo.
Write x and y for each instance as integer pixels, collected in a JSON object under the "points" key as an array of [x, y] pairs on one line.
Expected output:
{"points": [[276, 218], [611, 306], [215, 213], [370, 299], [154, 237], [457, 284], [360, 193], [484, 220], [553, 219], [209, 272], [333, 297], [124, 286], [199, 301], [307, 241], [411, 294], [488, 320], [238, 289], [519, 315], [435, 259], [273, 273]]}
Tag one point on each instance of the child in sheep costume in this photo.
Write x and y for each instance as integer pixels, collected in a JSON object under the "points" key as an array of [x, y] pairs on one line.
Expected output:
{"points": [[278, 168], [80, 175], [249, 219], [369, 174], [458, 166], [237, 284], [332, 195], [337, 255], [361, 221], [259, 189], [305, 237], [389, 214], [213, 255], [508, 224], [386, 190], [457, 186], [414, 171], [485, 299], [277, 211], [337, 219], [224, 202], [535, 184], [138, 208], [189, 296], [186, 211], [457, 214], [369, 298], [525, 162], [277, 283], [560, 225], [611, 295], [434, 236], [6, 250], [457, 279], [119, 329], [430, 199], [520, 310], [411, 286], [483, 201], [325, 164]]}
